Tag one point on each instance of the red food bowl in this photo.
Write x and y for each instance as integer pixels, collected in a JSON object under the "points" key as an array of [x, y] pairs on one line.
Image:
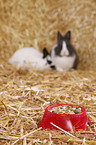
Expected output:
{"points": [[67, 122]]}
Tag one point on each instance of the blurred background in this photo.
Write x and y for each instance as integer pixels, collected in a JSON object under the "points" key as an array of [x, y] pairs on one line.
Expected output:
{"points": [[34, 23]]}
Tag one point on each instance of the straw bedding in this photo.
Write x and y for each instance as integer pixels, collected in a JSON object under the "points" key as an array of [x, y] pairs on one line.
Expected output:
{"points": [[24, 95]]}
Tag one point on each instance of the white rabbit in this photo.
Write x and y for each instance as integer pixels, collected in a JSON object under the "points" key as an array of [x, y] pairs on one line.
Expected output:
{"points": [[63, 53], [25, 57]]}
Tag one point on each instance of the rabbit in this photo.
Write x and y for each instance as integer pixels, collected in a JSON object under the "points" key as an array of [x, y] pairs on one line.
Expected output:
{"points": [[63, 53], [28, 56]]}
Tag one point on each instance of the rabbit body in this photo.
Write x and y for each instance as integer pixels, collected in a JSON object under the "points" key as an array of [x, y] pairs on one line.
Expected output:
{"points": [[27, 57], [63, 53], [63, 63]]}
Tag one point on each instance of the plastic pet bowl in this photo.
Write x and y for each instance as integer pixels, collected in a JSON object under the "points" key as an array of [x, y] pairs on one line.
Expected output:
{"points": [[64, 121]]}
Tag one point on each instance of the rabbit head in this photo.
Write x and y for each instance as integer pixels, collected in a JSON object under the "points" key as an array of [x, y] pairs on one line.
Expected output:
{"points": [[48, 59], [64, 48]]}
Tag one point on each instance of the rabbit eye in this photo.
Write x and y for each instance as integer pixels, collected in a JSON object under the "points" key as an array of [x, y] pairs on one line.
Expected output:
{"points": [[58, 49]]}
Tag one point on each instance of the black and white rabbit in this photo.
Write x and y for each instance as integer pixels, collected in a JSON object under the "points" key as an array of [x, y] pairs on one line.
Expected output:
{"points": [[28, 56], [63, 53]]}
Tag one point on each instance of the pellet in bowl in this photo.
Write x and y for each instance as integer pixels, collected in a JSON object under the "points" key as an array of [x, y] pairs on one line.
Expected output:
{"points": [[66, 109]]}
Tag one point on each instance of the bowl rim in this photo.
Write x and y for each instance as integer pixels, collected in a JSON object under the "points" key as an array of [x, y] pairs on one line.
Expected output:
{"points": [[55, 105]]}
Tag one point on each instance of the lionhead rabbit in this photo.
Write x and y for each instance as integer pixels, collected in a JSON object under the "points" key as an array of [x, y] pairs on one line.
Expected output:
{"points": [[26, 57], [63, 53]]}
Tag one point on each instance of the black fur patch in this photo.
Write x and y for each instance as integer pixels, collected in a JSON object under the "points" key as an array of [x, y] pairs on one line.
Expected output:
{"points": [[53, 67], [49, 61], [45, 53], [58, 50], [67, 36]]}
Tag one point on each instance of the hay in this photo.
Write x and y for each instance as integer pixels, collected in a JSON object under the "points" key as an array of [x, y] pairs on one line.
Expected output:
{"points": [[24, 95]]}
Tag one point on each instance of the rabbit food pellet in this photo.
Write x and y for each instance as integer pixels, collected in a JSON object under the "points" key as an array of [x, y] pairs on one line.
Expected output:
{"points": [[65, 109]]}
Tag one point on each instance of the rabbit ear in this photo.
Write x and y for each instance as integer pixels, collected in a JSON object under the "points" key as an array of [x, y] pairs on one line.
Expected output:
{"points": [[45, 53], [59, 37], [68, 35]]}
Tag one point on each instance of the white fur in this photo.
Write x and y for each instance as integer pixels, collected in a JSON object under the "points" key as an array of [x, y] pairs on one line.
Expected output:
{"points": [[64, 51], [29, 56], [63, 63]]}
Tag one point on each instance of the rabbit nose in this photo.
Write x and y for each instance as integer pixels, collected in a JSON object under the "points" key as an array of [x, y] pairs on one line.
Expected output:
{"points": [[64, 53]]}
